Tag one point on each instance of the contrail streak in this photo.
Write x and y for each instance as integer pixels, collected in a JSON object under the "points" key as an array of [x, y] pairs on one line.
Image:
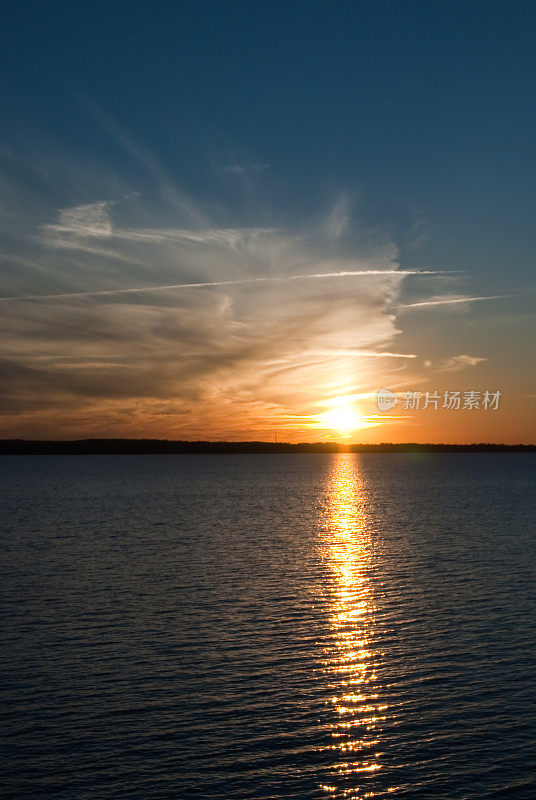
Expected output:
{"points": [[450, 300], [172, 286]]}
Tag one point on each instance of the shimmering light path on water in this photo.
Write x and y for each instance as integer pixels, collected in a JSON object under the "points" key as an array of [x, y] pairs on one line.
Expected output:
{"points": [[268, 627], [349, 664]]}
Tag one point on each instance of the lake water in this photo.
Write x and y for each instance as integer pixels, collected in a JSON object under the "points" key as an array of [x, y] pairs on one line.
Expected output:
{"points": [[268, 626]]}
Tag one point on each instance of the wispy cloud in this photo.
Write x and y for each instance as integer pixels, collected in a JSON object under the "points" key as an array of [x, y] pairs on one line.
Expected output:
{"points": [[243, 304], [462, 361], [114, 324], [144, 158], [450, 300], [338, 218], [208, 284], [242, 169]]}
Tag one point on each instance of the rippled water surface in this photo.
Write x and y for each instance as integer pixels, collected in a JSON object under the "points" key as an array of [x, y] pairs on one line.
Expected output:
{"points": [[268, 626]]}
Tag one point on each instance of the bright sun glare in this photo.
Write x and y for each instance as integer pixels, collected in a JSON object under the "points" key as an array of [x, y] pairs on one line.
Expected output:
{"points": [[343, 418]]}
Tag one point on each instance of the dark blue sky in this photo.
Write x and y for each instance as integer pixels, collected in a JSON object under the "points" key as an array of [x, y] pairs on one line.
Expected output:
{"points": [[417, 110]]}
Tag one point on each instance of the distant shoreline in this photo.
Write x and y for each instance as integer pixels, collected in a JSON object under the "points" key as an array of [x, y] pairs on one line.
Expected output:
{"points": [[165, 446]]}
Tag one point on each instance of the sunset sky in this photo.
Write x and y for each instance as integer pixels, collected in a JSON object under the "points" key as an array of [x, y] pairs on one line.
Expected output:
{"points": [[241, 220]]}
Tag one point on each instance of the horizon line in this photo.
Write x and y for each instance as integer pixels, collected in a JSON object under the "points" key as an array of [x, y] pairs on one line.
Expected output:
{"points": [[13, 444]]}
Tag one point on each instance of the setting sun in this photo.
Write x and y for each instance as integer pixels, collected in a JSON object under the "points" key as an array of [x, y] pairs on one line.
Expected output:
{"points": [[344, 419]]}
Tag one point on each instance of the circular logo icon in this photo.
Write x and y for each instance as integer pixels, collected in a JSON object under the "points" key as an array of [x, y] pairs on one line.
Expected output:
{"points": [[386, 399]]}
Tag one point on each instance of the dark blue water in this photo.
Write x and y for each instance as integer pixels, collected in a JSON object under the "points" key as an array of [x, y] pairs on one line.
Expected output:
{"points": [[268, 626]]}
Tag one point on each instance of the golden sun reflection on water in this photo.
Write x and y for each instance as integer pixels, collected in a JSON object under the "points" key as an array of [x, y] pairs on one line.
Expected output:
{"points": [[349, 666]]}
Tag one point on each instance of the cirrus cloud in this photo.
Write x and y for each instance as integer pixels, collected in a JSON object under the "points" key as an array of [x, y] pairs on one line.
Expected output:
{"points": [[201, 323]]}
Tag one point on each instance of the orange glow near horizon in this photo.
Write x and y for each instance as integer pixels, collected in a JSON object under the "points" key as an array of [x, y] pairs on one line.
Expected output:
{"points": [[314, 416]]}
